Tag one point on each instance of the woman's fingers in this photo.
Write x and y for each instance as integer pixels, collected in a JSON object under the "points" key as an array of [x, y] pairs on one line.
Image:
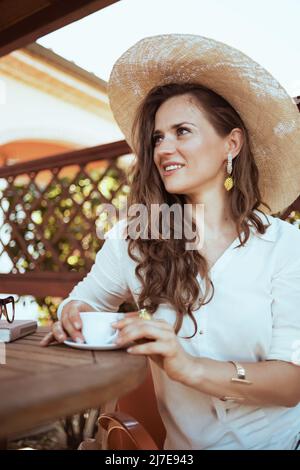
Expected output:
{"points": [[134, 319], [57, 334], [134, 314], [48, 338], [140, 331], [69, 327], [75, 319], [152, 348]]}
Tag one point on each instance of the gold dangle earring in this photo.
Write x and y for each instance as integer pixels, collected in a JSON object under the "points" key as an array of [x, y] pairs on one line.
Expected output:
{"points": [[228, 183]]}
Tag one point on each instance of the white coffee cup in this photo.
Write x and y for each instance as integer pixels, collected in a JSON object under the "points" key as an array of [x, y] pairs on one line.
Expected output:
{"points": [[97, 329]]}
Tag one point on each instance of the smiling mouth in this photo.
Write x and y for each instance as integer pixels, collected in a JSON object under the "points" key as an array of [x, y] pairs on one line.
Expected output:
{"points": [[170, 169]]}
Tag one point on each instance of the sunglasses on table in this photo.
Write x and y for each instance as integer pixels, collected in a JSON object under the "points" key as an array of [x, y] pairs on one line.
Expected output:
{"points": [[7, 308]]}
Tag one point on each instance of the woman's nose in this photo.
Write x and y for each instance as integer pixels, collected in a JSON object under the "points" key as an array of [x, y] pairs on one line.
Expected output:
{"points": [[166, 146]]}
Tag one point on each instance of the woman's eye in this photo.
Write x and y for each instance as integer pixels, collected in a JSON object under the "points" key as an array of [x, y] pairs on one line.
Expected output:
{"points": [[182, 128], [155, 138]]}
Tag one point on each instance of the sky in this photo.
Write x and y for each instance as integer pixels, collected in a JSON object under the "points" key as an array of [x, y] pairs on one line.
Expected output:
{"points": [[266, 30]]}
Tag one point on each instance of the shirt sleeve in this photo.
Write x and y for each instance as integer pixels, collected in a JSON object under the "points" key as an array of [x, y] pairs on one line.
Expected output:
{"points": [[285, 344], [105, 286]]}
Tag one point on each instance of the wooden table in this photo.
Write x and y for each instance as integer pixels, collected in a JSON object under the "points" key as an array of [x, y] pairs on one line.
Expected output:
{"points": [[40, 384]]}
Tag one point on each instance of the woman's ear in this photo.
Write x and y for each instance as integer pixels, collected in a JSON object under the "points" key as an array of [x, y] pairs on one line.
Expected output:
{"points": [[235, 141]]}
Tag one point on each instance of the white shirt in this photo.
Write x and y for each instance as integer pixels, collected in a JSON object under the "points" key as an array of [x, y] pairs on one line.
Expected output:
{"points": [[253, 316]]}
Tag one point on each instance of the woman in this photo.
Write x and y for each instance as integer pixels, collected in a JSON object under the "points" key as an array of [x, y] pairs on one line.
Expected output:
{"points": [[214, 130]]}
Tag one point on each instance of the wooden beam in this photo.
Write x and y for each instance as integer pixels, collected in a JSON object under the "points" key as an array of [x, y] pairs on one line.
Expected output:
{"points": [[295, 206], [74, 157], [29, 27], [40, 284]]}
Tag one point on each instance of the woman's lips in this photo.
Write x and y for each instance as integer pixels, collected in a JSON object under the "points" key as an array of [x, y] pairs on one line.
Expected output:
{"points": [[170, 172]]}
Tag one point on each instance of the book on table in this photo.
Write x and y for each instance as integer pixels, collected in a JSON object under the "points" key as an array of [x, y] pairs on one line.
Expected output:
{"points": [[19, 328]]}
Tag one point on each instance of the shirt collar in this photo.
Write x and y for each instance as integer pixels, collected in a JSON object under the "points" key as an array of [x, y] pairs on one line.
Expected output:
{"points": [[271, 231]]}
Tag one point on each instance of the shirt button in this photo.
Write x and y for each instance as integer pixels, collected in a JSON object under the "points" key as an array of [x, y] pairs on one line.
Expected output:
{"points": [[201, 332]]}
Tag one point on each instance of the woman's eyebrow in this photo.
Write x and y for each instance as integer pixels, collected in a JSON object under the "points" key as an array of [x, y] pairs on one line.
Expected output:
{"points": [[157, 131]]}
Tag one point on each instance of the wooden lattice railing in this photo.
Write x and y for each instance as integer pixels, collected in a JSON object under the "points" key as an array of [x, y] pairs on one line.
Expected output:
{"points": [[49, 209]]}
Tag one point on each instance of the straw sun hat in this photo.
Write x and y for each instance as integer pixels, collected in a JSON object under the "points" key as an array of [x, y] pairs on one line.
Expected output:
{"points": [[269, 113]]}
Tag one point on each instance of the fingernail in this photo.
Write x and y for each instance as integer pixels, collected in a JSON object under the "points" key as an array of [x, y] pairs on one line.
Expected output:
{"points": [[77, 325], [79, 340]]}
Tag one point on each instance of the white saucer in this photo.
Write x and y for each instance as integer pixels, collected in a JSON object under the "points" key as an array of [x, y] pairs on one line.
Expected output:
{"points": [[93, 347]]}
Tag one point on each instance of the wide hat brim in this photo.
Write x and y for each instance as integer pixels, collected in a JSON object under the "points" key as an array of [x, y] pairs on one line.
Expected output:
{"points": [[269, 113]]}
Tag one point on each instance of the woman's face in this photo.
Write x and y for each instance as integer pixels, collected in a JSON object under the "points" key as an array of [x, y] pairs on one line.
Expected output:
{"points": [[193, 144]]}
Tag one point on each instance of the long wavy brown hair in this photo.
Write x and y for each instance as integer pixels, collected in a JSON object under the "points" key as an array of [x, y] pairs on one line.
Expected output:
{"points": [[166, 270]]}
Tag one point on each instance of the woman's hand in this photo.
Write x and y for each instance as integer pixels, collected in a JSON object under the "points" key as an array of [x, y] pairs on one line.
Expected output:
{"points": [[69, 325], [159, 342]]}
